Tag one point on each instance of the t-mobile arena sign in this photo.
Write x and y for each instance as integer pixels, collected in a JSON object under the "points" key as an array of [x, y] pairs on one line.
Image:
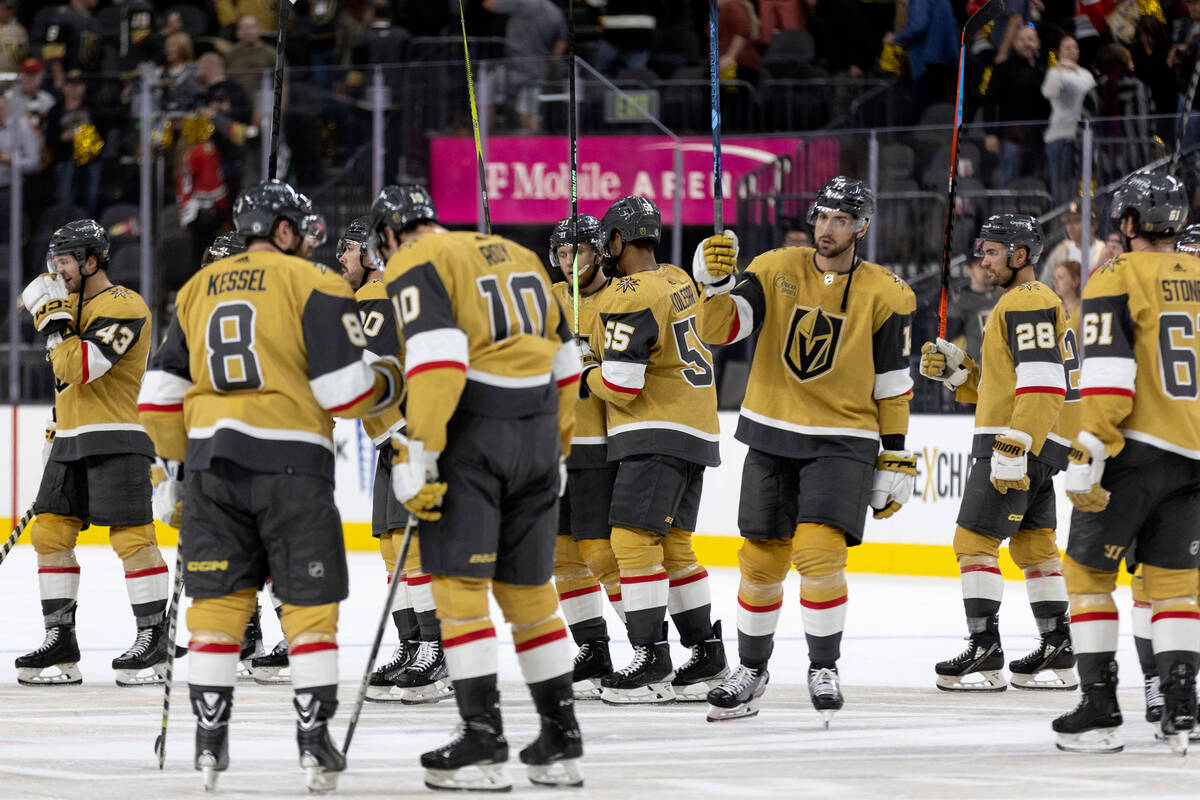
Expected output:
{"points": [[529, 178]]}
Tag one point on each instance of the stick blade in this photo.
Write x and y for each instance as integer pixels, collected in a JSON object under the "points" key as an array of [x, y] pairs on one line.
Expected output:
{"points": [[988, 12]]}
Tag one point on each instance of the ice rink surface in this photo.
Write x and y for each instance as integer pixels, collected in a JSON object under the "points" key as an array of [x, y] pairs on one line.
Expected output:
{"points": [[898, 736]]}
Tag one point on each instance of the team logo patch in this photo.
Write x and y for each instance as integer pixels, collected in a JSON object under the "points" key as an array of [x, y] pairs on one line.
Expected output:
{"points": [[627, 284], [812, 342]]}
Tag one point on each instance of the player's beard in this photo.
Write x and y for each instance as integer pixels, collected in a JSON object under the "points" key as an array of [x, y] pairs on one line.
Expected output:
{"points": [[834, 251]]}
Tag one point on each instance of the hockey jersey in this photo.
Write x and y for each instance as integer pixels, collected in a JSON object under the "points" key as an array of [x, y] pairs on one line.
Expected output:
{"points": [[383, 340], [1022, 382], [482, 332], [1141, 312], [263, 350], [97, 375], [589, 443], [656, 375], [826, 380], [1067, 426]]}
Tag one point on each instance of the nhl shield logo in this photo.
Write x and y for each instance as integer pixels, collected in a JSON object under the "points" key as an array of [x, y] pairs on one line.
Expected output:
{"points": [[812, 342]]}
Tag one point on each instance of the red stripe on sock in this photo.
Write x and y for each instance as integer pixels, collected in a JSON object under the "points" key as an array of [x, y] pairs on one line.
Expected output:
{"points": [[1094, 616], [1175, 615], [545, 638], [311, 647], [820, 604], [980, 568], [684, 581], [614, 598], [142, 573], [1039, 574], [658, 576], [467, 638], [420, 580], [1140, 604], [579, 592], [213, 647], [74, 570], [778, 604]]}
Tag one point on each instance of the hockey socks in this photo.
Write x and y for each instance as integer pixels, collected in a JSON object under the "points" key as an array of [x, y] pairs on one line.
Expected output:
{"points": [[982, 589], [58, 584], [823, 609], [689, 602], [759, 606], [403, 616], [581, 599], [1175, 633], [1047, 591], [148, 589], [645, 598], [543, 653], [470, 650], [1094, 633]]}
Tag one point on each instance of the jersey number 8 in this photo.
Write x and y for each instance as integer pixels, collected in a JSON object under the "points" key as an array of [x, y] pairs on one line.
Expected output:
{"points": [[232, 359]]}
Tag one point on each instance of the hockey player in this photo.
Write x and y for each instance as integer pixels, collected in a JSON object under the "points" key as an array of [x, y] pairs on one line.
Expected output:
{"points": [[656, 379], [1017, 448], [97, 337], [585, 568], [486, 345], [416, 672], [1135, 465], [264, 348], [828, 386]]}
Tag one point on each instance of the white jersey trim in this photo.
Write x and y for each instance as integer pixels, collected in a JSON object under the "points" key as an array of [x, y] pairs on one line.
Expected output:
{"points": [[1108, 372], [505, 382], [343, 385], [892, 384], [1041, 373], [567, 364], [267, 434], [386, 435], [97, 364], [662, 425], [625, 374], [745, 315], [1161, 444], [161, 388], [807, 430], [586, 440], [441, 344], [102, 427], [1054, 437]]}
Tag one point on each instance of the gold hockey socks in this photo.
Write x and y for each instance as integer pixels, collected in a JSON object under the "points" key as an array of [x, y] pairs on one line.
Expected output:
{"points": [[689, 599], [147, 579], [579, 593], [819, 554], [468, 640], [764, 565], [644, 583], [539, 635], [598, 554], [53, 537], [982, 584]]}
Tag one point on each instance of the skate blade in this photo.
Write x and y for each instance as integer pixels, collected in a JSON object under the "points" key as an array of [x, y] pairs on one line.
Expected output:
{"points": [[749, 709], [270, 676], [556, 773], [207, 764], [1178, 741], [431, 693], [151, 676], [475, 778], [650, 694], [384, 694], [587, 689], [985, 681], [698, 692], [1100, 740], [1061, 679], [827, 716], [318, 779], [67, 675]]}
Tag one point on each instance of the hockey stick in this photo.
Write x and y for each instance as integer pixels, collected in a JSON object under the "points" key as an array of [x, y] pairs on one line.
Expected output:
{"points": [[714, 80], [401, 557], [280, 44], [573, 135], [1185, 116], [160, 744], [988, 12], [22, 524], [487, 217]]}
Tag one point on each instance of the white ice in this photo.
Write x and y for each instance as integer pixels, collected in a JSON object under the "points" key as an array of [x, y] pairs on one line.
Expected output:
{"points": [[897, 736]]}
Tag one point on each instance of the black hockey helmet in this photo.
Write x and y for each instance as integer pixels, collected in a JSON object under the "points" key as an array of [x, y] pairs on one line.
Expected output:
{"points": [[1013, 231], [587, 231], [224, 246], [262, 205], [845, 194], [312, 224], [356, 233], [399, 208], [637, 219], [81, 238], [1157, 201], [1188, 240]]}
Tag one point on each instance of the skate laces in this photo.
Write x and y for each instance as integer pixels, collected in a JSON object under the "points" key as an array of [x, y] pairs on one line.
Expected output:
{"points": [[641, 653], [823, 681], [585, 652], [427, 655], [142, 644], [741, 679], [1153, 688], [52, 635], [397, 657]]}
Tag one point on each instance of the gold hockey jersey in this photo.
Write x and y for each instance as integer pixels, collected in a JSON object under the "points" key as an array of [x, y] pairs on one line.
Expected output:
{"points": [[1023, 382], [1141, 314], [264, 349], [656, 376], [383, 340], [482, 332], [1069, 418], [97, 374], [825, 380], [589, 446]]}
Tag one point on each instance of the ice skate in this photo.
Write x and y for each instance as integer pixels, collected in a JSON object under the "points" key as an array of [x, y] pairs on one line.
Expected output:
{"points": [[592, 663], [252, 646], [1092, 726], [703, 671], [1051, 665], [382, 687], [145, 662], [269, 669], [825, 689], [426, 678], [212, 736], [319, 757], [553, 757], [474, 759], [1154, 699], [647, 679], [1179, 706], [58, 652], [979, 668], [739, 695]]}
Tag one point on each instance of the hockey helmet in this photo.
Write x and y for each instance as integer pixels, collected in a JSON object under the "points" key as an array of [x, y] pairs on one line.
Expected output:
{"points": [[81, 238], [224, 246], [262, 205], [356, 233], [312, 224], [845, 194], [1188, 240], [1013, 231], [1158, 203], [398, 208], [637, 219], [586, 231]]}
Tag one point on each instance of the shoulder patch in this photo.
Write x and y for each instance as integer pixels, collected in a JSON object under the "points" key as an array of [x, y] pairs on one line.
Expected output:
{"points": [[628, 284]]}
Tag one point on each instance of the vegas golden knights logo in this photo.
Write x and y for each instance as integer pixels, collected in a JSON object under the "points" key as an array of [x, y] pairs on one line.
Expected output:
{"points": [[812, 342]]}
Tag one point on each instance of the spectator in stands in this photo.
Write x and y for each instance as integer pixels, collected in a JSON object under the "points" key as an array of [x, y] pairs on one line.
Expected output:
{"points": [[1014, 94], [181, 90], [1150, 51], [250, 56], [321, 24], [1066, 86], [352, 23], [970, 305], [737, 31], [1067, 286], [846, 44], [778, 15], [536, 30], [1113, 247], [931, 37], [226, 106], [1006, 29], [70, 38], [1182, 58], [35, 100], [230, 12], [18, 140], [75, 146], [626, 34], [1123, 103], [1071, 248], [796, 233], [14, 39]]}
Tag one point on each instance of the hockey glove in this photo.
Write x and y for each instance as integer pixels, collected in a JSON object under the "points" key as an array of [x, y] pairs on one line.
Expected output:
{"points": [[1084, 473], [945, 362], [46, 298], [590, 362], [166, 476], [1010, 452], [895, 471], [51, 429], [714, 264], [415, 478]]}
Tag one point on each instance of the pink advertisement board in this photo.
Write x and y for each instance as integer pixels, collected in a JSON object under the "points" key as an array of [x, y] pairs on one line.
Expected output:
{"points": [[529, 176]]}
